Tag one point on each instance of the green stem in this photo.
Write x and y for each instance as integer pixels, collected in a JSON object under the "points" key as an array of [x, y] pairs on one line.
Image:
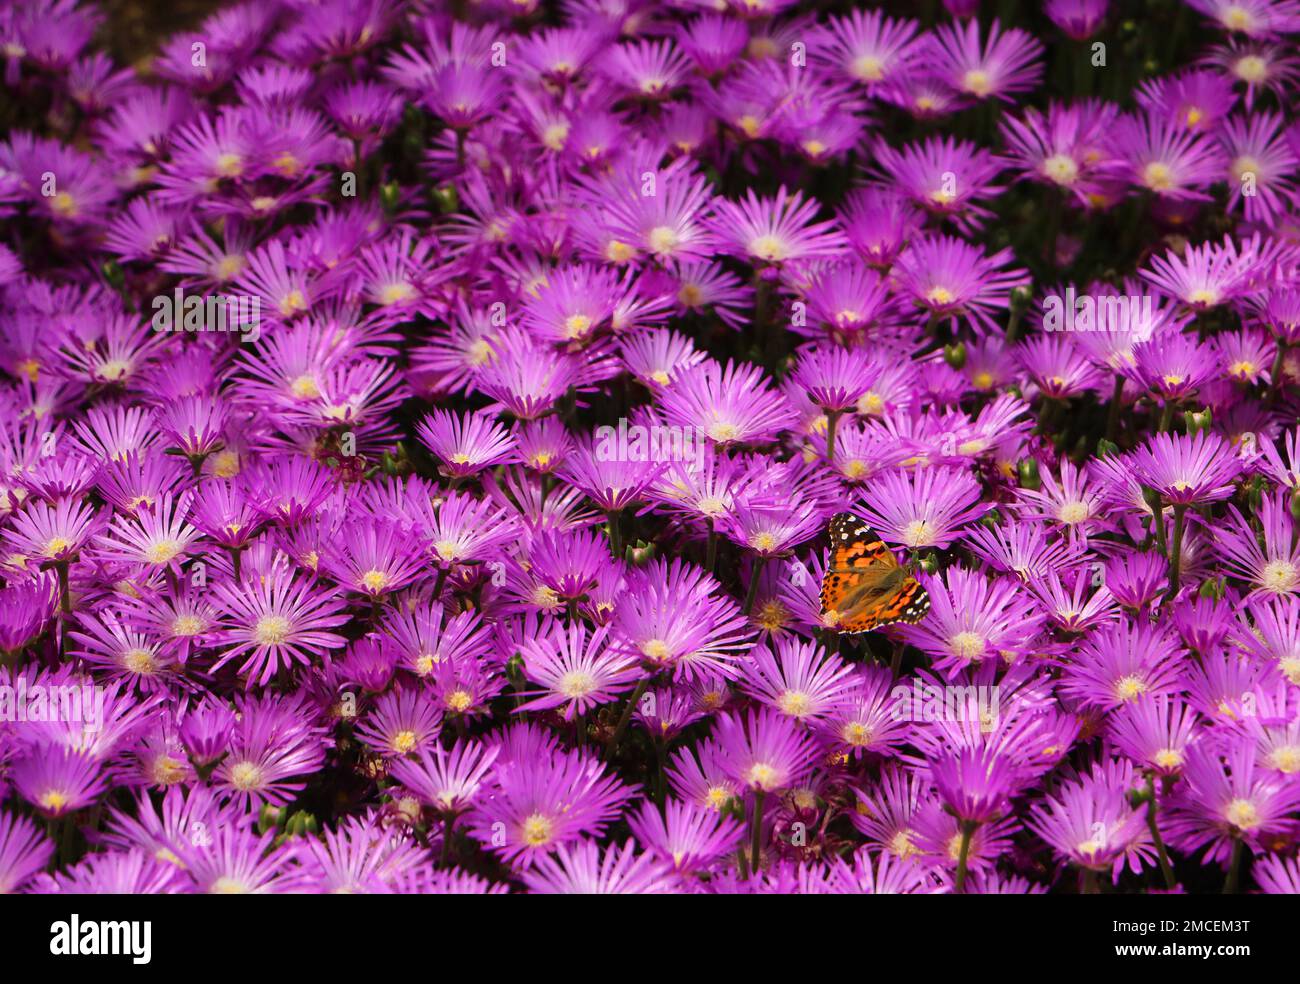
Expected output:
{"points": [[1090, 882], [1156, 505], [832, 422], [65, 592], [756, 830], [660, 750], [1112, 416], [1167, 416], [447, 826], [1055, 205], [759, 564], [1275, 376], [614, 533], [1234, 868], [1013, 323], [967, 832], [1166, 868], [612, 745], [1176, 550]]}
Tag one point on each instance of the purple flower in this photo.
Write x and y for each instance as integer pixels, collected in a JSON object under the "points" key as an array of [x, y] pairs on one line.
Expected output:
{"points": [[764, 751], [583, 869], [537, 805]]}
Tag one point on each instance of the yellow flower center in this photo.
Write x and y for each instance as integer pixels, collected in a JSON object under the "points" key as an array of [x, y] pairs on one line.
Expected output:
{"points": [[554, 136], [856, 734], [162, 551], [460, 701], [575, 684], [1158, 176], [1168, 758], [1279, 576], [1088, 848], [545, 597], [657, 650], [292, 301], [64, 204], [1130, 688], [577, 325], [900, 845], [1285, 759], [1242, 814], [114, 369], [795, 703], [619, 252], [1061, 168], [537, 830], [868, 68], [1290, 668], [723, 431], [187, 625], [663, 239], [246, 776], [139, 661], [404, 741], [53, 801], [977, 82], [690, 295], [1251, 68], [768, 248], [168, 771], [1072, 512], [229, 165], [1243, 166], [225, 464], [918, 533], [229, 267], [967, 645], [1237, 18], [396, 293], [717, 797], [271, 630], [772, 616]]}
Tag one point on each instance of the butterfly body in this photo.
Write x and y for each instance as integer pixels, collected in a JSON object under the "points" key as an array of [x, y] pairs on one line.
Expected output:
{"points": [[865, 587]]}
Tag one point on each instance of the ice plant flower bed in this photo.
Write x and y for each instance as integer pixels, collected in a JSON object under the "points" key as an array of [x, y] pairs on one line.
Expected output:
{"points": [[694, 447]]}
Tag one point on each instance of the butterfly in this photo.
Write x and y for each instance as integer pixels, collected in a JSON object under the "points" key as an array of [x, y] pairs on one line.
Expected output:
{"points": [[865, 587]]}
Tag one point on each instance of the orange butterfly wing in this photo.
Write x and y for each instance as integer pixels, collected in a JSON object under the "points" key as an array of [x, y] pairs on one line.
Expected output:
{"points": [[859, 561]]}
